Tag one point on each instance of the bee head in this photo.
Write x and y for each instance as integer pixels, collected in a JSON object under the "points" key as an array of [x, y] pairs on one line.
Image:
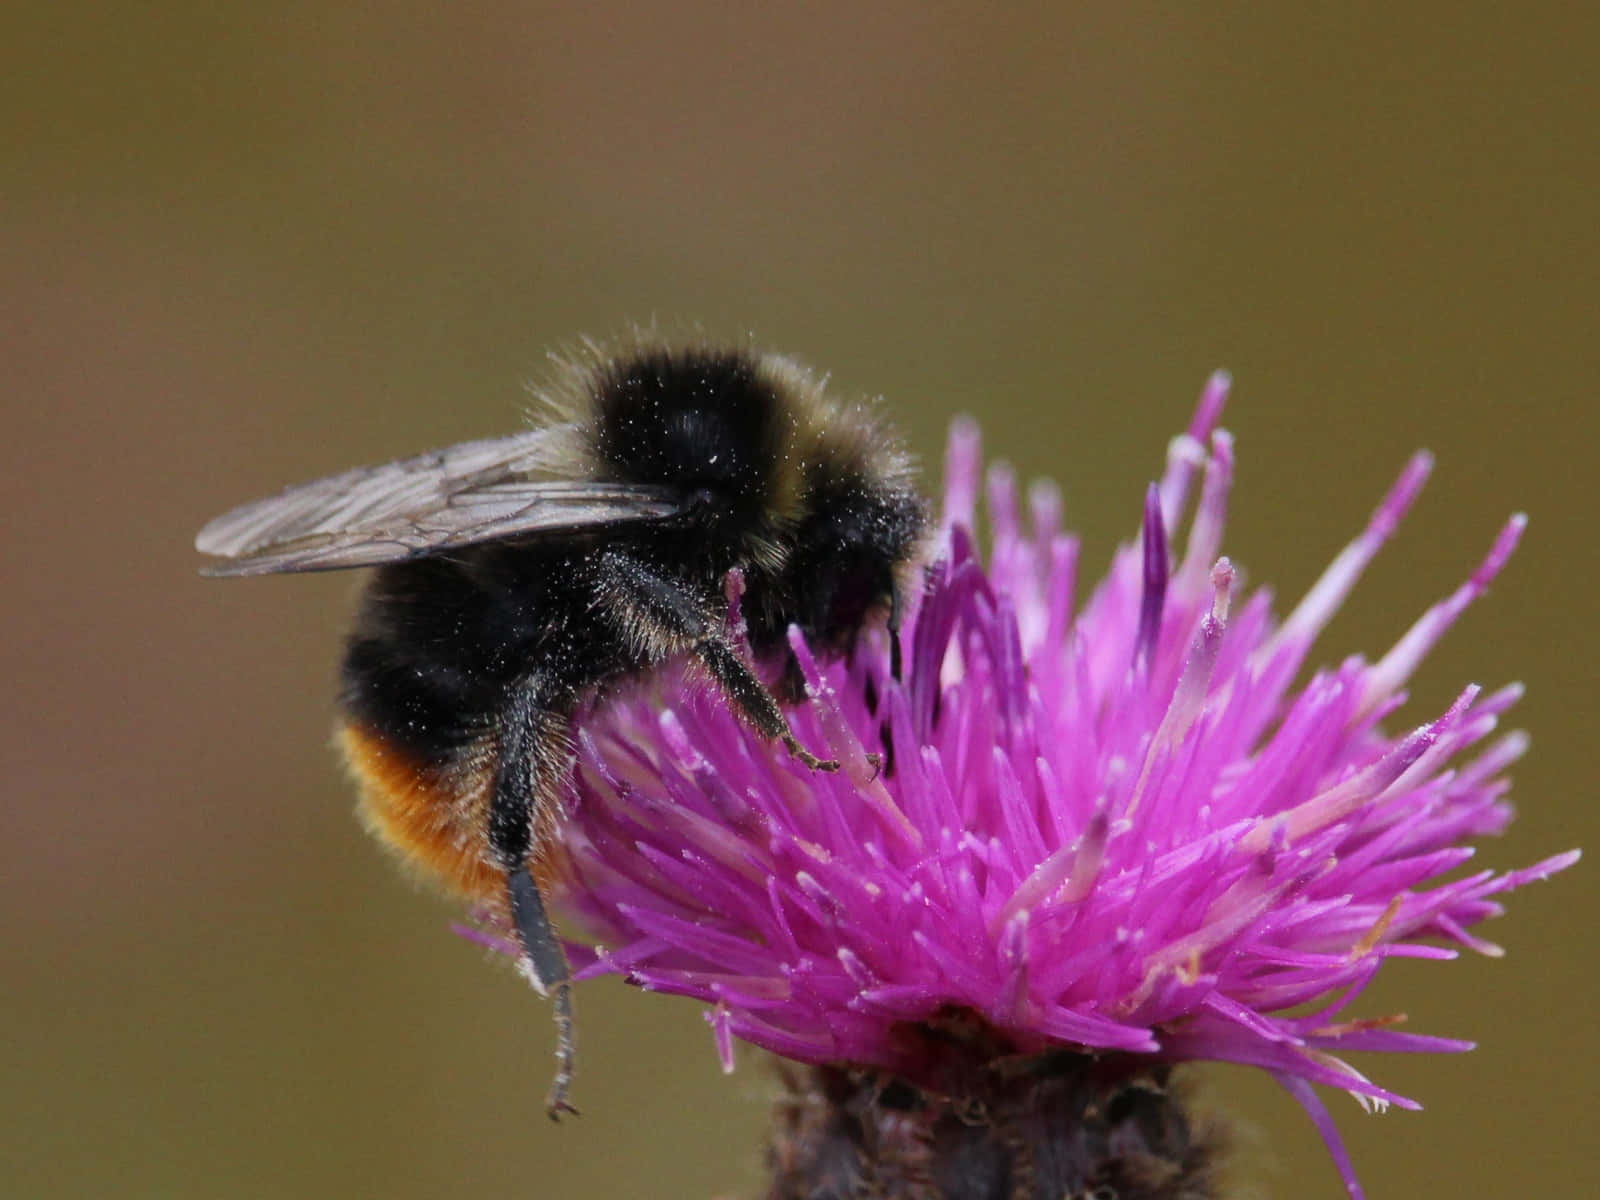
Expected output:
{"points": [[853, 550]]}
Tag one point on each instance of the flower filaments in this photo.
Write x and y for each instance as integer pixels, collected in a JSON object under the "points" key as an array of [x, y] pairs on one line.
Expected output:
{"points": [[1113, 827]]}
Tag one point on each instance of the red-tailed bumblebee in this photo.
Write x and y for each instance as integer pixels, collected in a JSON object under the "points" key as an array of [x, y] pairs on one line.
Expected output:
{"points": [[519, 576]]}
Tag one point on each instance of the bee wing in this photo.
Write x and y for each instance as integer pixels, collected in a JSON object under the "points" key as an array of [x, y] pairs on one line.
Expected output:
{"points": [[474, 492]]}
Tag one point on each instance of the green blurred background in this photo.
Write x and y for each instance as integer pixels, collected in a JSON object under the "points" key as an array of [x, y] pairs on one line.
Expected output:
{"points": [[244, 245]]}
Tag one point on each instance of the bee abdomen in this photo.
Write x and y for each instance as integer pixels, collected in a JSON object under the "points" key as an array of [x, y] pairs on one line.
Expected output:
{"points": [[432, 815], [427, 705]]}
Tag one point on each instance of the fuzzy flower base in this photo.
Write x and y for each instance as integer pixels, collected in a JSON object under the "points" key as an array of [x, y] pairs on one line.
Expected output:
{"points": [[1051, 1126], [1114, 827]]}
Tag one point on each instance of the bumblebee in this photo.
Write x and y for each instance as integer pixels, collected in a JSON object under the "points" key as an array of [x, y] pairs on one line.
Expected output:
{"points": [[516, 578]]}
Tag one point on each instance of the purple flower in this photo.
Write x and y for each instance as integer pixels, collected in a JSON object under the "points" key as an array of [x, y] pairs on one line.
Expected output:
{"points": [[1114, 826]]}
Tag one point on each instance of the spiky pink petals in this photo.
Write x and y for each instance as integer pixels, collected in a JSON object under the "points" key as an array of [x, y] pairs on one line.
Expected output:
{"points": [[1113, 825]]}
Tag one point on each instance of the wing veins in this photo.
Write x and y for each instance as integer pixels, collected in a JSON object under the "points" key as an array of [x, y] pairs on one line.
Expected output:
{"points": [[469, 493]]}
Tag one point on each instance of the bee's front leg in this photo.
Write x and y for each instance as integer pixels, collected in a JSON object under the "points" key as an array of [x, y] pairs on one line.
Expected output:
{"points": [[662, 617]]}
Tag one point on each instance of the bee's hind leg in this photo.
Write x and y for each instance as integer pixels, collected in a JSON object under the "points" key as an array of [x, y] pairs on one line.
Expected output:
{"points": [[534, 758], [549, 964]]}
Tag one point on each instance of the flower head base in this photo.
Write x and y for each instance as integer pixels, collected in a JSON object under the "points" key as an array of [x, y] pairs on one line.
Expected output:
{"points": [[1115, 828]]}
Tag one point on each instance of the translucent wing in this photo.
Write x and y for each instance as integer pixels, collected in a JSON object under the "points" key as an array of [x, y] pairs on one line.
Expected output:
{"points": [[474, 492]]}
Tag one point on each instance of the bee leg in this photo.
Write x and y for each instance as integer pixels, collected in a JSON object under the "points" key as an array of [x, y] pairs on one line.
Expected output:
{"points": [[884, 763], [790, 686], [747, 694], [893, 625], [659, 611], [533, 757], [549, 965]]}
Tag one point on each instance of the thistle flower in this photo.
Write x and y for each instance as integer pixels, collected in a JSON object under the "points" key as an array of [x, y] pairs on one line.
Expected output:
{"points": [[1116, 830]]}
